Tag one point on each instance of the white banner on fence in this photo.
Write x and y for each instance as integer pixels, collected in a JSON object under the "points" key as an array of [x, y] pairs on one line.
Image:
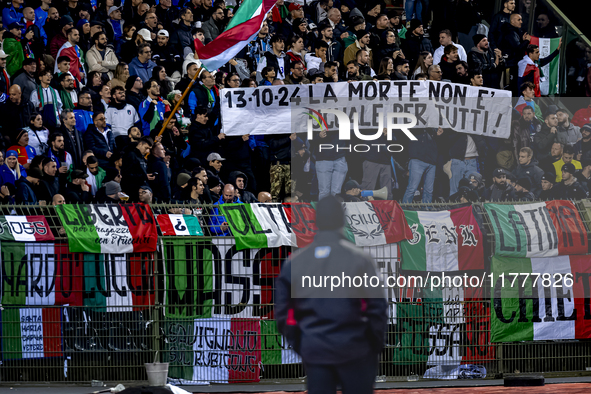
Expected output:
{"points": [[469, 109]]}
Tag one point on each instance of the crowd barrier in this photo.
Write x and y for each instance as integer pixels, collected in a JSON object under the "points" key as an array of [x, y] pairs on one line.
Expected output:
{"points": [[94, 292]]}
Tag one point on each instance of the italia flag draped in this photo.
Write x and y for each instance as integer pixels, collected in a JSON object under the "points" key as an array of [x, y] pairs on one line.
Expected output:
{"points": [[242, 29]]}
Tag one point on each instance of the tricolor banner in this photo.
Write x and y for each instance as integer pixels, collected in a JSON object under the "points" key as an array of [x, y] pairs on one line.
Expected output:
{"points": [[549, 81], [105, 228], [375, 223], [443, 241], [551, 306], [543, 229], [241, 30], [258, 225], [29, 333], [179, 225], [25, 229]]}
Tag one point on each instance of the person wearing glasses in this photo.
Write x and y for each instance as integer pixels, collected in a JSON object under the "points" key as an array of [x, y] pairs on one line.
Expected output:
{"points": [[141, 65]]}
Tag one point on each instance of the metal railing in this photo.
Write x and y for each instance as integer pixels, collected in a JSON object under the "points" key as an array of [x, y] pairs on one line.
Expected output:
{"points": [[198, 301]]}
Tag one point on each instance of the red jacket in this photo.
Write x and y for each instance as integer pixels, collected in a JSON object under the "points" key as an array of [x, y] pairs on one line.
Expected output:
{"points": [[56, 43]]}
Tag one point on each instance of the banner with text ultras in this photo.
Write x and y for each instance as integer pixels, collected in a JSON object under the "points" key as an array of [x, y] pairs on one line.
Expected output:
{"points": [[277, 109]]}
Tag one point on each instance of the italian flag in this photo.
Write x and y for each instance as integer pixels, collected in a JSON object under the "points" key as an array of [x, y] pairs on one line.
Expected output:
{"points": [[443, 241], [549, 83], [100, 229], [543, 229], [256, 226], [375, 223], [25, 229], [242, 29], [551, 310], [29, 333], [179, 225], [274, 347]]}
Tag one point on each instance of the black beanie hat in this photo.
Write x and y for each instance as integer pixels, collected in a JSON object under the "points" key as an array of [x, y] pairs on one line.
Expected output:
{"points": [[130, 81], [477, 38], [330, 214]]}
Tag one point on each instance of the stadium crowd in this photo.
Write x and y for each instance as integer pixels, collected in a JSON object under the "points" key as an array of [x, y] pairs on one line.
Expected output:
{"points": [[86, 88]]}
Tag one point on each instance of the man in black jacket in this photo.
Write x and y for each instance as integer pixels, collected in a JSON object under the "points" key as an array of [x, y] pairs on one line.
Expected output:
{"points": [[72, 141], [528, 168], [513, 44], [165, 53], [569, 188], [522, 190], [99, 138], [482, 57], [134, 170], [157, 167], [339, 338], [50, 184], [202, 138], [239, 180], [500, 190], [78, 191], [415, 43], [181, 38]]}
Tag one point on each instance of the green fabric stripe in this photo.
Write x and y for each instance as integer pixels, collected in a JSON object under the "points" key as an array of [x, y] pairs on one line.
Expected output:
{"points": [[11, 334], [505, 308], [245, 12], [94, 281], [193, 225], [82, 235], [14, 281], [413, 254], [504, 233], [554, 65], [189, 279], [5, 234], [248, 235], [270, 348]]}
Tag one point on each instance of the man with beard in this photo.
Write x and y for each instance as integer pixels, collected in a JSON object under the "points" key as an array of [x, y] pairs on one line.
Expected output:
{"points": [[500, 19], [95, 173], [50, 183], [165, 54], [584, 145], [513, 43], [525, 129], [56, 152], [201, 173], [100, 57], [500, 190], [401, 69], [353, 73], [99, 138], [335, 48], [296, 75], [256, 49], [53, 25], [83, 111], [544, 139], [568, 154], [482, 57], [218, 224], [569, 188], [134, 91], [120, 115], [77, 190], [567, 133], [71, 50], [67, 92], [15, 113], [462, 73], [547, 183], [214, 26], [415, 42]]}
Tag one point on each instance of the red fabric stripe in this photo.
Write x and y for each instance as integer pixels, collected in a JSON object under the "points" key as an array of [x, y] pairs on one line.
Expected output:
{"points": [[235, 35], [165, 225], [142, 225], [141, 280], [69, 283], [572, 237], [470, 249], [393, 221], [52, 332], [42, 231], [303, 222], [580, 264], [245, 364]]}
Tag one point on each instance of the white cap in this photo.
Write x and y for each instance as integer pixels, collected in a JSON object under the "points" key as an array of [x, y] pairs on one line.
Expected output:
{"points": [[146, 35], [3, 55], [113, 8], [163, 33]]}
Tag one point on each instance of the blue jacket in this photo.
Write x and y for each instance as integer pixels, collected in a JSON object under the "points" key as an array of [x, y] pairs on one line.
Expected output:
{"points": [[216, 220], [83, 119], [11, 15], [142, 70], [6, 176], [146, 112], [24, 192], [96, 142], [40, 17]]}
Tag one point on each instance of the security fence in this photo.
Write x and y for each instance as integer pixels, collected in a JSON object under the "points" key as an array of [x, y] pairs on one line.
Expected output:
{"points": [[73, 312]]}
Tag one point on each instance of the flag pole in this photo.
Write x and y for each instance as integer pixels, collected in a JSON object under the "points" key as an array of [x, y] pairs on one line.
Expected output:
{"points": [[178, 104]]}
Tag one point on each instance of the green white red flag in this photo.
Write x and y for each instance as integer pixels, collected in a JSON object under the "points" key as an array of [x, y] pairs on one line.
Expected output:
{"points": [[242, 29]]}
